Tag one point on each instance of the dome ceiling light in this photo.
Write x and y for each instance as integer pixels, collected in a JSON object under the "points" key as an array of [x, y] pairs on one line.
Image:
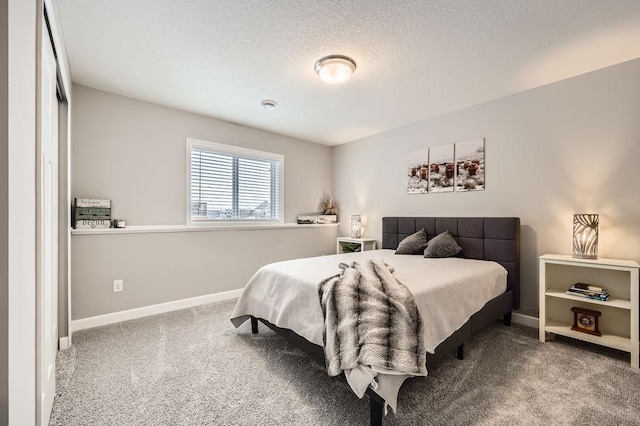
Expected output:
{"points": [[335, 69]]}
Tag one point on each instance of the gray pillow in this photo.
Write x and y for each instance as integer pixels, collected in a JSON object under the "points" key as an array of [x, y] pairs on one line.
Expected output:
{"points": [[443, 245], [413, 244]]}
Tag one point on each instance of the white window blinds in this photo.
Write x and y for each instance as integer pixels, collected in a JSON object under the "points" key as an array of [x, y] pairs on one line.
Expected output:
{"points": [[228, 183]]}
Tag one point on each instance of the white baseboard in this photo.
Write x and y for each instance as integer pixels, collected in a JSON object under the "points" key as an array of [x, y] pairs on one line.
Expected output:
{"points": [[525, 320], [65, 343], [145, 311]]}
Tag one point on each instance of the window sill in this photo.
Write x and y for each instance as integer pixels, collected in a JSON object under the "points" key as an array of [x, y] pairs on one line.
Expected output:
{"points": [[157, 229]]}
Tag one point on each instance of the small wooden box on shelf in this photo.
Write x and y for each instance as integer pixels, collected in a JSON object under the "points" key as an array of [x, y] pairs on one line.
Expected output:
{"points": [[364, 243], [620, 314]]}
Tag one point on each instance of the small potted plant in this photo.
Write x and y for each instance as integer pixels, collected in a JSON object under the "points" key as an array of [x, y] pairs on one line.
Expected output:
{"points": [[329, 206]]}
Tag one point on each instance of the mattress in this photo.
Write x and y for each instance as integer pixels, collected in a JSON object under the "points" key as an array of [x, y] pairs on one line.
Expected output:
{"points": [[447, 292]]}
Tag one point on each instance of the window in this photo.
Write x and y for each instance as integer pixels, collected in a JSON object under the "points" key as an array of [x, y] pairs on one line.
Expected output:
{"points": [[232, 184]]}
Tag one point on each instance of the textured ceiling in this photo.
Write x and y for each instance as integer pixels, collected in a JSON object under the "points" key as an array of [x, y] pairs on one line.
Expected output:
{"points": [[416, 58]]}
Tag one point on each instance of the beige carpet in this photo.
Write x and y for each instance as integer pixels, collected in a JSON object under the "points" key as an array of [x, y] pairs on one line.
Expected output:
{"points": [[192, 367]]}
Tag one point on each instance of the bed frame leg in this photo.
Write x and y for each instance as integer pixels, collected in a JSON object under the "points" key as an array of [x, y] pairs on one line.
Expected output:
{"points": [[461, 352], [506, 320], [254, 325], [375, 412]]}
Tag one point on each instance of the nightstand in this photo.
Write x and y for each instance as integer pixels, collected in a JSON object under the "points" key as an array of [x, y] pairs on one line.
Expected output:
{"points": [[619, 319], [364, 244]]}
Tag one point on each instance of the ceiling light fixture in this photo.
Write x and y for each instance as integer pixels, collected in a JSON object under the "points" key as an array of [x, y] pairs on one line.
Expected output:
{"points": [[335, 69], [268, 104]]}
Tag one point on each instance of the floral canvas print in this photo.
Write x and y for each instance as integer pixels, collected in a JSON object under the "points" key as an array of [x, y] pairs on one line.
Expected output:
{"points": [[441, 168], [418, 172], [470, 165]]}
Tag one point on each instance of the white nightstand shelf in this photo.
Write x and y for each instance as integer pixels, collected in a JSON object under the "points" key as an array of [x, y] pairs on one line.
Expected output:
{"points": [[620, 314], [365, 244], [616, 303], [609, 340]]}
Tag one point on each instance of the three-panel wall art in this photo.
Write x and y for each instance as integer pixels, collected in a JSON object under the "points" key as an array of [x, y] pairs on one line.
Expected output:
{"points": [[446, 168]]}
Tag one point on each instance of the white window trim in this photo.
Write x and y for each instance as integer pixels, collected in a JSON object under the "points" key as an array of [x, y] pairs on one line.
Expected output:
{"points": [[233, 150]]}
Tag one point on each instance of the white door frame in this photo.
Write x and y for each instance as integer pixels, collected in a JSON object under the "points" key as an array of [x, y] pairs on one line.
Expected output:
{"points": [[64, 161]]}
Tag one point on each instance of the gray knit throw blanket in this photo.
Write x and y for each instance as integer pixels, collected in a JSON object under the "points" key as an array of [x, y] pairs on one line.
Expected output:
{"points": [[371, 319]]}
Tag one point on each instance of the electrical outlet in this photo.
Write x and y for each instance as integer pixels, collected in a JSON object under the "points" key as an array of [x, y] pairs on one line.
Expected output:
{"points": [[118, 285]]}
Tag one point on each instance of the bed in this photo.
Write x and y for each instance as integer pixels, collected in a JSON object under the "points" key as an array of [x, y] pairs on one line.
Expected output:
{"points": [[296, 314]]}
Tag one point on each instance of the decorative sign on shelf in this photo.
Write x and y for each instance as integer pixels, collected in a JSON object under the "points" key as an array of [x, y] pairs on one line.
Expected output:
{"points": [[93, 224], [89, 202], [91, 213]]}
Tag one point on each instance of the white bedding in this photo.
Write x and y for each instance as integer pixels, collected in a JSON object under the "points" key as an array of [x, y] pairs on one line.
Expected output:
{"points": [[447, 292]]}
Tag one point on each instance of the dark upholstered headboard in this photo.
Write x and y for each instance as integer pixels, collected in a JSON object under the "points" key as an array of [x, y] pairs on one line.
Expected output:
{"points": [[484, 238]]}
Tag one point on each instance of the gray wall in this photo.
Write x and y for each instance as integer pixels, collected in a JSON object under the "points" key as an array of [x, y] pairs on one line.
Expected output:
{"points": [[565, 148], [133, 153], [163, 267]]}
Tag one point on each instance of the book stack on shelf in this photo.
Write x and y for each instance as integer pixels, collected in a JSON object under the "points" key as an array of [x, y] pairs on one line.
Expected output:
{"points": [[589, 291], [91, 214]]}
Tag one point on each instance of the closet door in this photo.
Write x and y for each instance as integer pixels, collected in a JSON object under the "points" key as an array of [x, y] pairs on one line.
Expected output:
{"points": [[47, 239]]}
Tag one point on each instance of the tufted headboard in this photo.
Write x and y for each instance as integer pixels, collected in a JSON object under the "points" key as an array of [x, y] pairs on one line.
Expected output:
{"points": [[484, 238]]}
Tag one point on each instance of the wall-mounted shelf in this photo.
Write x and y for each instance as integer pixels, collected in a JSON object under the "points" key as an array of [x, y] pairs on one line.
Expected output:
{"points": [[154, 229]]}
